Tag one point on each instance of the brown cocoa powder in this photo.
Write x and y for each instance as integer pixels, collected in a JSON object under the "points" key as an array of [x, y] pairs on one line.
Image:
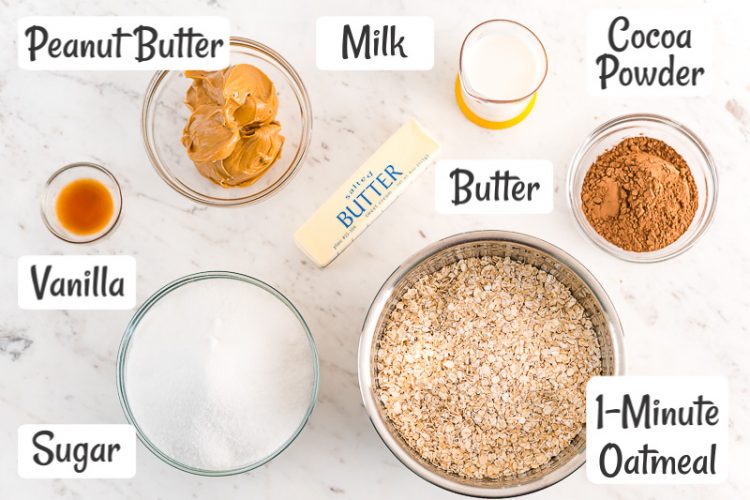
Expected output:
{"points": [[640, 195]]}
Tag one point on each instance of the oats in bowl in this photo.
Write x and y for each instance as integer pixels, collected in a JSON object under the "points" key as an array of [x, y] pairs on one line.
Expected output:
{"points": [[482, 367]]}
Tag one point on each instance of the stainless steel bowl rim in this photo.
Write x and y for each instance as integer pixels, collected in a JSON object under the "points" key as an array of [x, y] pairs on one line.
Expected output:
{"points": [[369, 330]]}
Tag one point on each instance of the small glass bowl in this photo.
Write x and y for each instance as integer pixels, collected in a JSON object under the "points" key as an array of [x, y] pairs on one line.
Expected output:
{"points": [[63, 177], [679, 137], [129, 337], [165, 114]]}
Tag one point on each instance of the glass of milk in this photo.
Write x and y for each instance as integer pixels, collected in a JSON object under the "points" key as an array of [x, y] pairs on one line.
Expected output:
{"points": [[501, 68]]}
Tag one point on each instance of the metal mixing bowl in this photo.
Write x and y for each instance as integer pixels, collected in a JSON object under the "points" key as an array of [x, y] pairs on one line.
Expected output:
{"points": [[523, 248]]}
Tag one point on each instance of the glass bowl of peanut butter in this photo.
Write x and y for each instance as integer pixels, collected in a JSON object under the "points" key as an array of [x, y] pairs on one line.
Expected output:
{"points": [[228, 137]]}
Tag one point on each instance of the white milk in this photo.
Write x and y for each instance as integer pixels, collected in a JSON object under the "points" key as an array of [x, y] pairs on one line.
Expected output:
{"points": [[501, 61], [502, 66]]}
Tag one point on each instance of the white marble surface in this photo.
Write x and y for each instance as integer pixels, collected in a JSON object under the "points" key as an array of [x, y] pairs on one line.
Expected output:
{"points": [[685, 316]]}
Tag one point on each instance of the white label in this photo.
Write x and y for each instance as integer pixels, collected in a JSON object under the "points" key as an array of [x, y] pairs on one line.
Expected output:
{"points": [[494, 187], [657, 430], [346, 43], [76, 282], [649, 52], [106, 43], [76, 451]]}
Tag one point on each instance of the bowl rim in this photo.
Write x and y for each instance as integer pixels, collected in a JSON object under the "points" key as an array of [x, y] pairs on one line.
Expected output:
{"points": [[712, 180], [366, 384], [303, 100], [116, 195], [125, 345]]}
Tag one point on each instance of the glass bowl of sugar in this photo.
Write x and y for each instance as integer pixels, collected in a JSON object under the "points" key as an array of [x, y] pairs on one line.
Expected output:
{"points": [[218, 373]]}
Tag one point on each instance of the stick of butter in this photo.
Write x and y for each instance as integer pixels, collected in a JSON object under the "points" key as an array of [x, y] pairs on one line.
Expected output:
{"points": [[366, 193]]}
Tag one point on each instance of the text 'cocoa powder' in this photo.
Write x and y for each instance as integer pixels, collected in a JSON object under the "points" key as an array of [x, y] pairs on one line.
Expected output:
{"points": [[640, 195]]}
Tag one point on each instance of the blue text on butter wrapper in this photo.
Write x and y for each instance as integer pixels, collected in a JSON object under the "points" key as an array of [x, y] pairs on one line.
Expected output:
{"points": [[375, 189]]}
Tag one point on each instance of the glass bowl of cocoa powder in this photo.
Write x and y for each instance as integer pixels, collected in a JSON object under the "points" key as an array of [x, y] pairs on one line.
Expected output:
{"points": [[643, 187]]}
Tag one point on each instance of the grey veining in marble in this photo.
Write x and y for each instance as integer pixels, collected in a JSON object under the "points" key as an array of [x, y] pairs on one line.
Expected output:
{"points": [[685, 316]]}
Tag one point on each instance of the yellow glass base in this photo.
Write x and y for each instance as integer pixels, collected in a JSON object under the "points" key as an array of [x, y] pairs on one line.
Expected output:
{"points": [[474, 118]]}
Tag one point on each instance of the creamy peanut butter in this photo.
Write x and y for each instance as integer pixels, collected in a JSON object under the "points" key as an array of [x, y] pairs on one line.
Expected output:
{"points": [[231, 135]]}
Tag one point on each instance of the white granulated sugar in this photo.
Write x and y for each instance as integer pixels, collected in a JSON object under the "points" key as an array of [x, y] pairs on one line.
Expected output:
{"points": [[219, 374]]}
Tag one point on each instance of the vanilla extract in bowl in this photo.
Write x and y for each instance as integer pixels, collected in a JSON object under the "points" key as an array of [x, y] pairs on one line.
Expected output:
{"points": [[82, 202]]}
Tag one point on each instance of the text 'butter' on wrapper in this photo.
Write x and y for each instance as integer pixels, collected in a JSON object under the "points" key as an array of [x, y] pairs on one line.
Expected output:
{"points": [[366, 193]]}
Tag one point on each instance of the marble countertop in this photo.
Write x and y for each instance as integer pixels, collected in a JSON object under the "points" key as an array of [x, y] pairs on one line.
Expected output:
{"points": [[685, 316]]}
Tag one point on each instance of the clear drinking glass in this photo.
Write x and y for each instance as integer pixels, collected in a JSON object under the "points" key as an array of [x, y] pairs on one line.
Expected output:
{"points": [[492, 111]]}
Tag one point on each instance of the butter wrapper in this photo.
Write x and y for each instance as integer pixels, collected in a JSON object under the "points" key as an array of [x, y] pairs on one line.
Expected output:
{"points": [[366, 193]]}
